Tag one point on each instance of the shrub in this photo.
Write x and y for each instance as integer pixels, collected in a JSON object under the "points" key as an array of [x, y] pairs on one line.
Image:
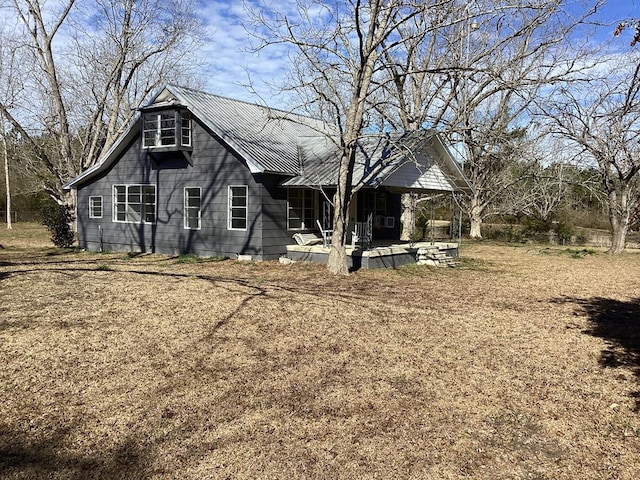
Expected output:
{"points": [[581, 239], [507, 233], [57, 219], [565, 231], [532, 226]]}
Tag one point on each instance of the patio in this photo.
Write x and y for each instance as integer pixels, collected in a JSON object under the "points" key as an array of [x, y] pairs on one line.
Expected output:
{"points": [[382, 254]]}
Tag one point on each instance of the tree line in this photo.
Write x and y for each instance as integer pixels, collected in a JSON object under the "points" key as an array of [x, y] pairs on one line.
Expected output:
{"points": [[522, 88]]}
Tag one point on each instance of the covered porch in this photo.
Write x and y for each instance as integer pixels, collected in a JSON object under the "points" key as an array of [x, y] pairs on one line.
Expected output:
{"points": [[387, 170]]}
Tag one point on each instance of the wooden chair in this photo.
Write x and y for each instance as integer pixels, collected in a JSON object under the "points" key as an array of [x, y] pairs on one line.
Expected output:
{"points": [[325, 234], [362, 233]]}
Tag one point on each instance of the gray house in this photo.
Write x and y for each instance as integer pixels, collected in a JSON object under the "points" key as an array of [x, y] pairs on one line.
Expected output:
{"points": [[199, 173]]}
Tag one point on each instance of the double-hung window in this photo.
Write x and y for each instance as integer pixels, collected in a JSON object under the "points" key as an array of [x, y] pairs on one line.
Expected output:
{"points": [[134, 203], [238, 202], [95, 207], [192, 208], [301, 209], [169, 128]]}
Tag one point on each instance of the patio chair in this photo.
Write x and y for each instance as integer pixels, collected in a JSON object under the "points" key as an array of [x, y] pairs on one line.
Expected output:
{"points": [[325, 234], [362, 234]]}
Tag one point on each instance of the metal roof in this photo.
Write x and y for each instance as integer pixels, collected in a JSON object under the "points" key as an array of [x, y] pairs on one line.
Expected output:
{"points": [[320, 161], [265, 137], [281, 142], [410, 161]]}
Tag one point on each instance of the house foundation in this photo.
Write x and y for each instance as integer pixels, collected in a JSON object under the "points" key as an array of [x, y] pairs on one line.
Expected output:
{"points": [[382, 256]]}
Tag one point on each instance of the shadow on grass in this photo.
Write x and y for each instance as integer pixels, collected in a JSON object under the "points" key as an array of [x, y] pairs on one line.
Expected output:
{"points": [[618, 323], [25, 457]]}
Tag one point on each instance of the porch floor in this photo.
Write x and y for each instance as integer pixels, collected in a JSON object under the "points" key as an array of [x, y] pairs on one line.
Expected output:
{"points": [[380, 255]]}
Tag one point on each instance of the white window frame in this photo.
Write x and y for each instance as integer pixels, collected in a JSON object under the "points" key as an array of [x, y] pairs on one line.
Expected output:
{"points": [[128, 207], [305, 222], [231, 208], [93, 207], [188, 208], [185, 129], [153, 133]]}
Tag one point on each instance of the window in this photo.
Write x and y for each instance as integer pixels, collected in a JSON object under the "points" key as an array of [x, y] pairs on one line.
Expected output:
{"points": [[134, 203], [166, 129], [95, 207], [301, 209], [192, 208], [375, 202], [185, 129], [237, 207]]}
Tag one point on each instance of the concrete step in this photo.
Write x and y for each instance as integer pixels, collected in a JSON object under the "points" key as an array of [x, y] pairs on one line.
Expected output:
{"points": [[434, 257]]}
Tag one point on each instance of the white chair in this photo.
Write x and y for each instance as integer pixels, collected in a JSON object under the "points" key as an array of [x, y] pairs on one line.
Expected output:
{"points": [[362, 233], [326, 235]]}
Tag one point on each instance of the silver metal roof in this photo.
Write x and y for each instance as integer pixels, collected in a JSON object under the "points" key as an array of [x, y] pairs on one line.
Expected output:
{"points": [[265, 137], [281, 142], [410, 161]]}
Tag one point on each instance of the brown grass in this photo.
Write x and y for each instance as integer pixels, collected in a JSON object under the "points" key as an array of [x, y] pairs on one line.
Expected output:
{"points": [[523, 363]]}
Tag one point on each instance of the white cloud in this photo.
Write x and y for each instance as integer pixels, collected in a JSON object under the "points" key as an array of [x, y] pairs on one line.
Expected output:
{"points": [[232, 66]]}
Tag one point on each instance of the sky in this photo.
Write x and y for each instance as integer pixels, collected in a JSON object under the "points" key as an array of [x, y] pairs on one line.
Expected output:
{"points": [[616, 10], [232, 67]]}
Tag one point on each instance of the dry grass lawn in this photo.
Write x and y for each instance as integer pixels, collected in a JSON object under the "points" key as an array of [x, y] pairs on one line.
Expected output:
{"points": [[523, 363]]}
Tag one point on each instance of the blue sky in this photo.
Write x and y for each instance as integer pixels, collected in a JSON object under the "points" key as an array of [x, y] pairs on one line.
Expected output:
{"points": [[232, 67], [616, 10]]}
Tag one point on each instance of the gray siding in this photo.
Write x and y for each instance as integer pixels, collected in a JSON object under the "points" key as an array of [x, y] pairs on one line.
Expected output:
{"points": [[275, 235], [213, 168]]}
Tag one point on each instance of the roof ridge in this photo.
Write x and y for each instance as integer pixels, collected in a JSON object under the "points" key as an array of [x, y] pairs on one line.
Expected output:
{"points": [[246, 102]]}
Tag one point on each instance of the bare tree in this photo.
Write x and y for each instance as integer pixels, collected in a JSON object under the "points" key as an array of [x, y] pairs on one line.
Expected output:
{"points": [[339, 61], [474, 75], [601, 119], [418, 75], [7, 185], [547, 191], [87, 64], [10, 84], [514, 54]]}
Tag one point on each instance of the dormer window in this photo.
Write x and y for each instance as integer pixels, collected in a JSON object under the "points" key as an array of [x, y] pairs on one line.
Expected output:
{"points": [[166, 128]]}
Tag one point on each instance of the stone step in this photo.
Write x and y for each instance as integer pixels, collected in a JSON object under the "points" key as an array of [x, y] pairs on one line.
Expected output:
{"points": [[434, 257]]}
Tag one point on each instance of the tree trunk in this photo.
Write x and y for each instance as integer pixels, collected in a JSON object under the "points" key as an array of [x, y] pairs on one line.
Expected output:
{"points": [[337, 263], [619, 214], [6, 180], [408, 216], [475, 218], [71, 200]]}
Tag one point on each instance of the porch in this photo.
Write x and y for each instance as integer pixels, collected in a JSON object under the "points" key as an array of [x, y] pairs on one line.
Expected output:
{"points": [[382, 254]]}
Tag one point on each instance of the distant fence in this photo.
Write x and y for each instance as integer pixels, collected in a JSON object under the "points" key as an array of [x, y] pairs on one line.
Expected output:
{"points": [[592, 237]]}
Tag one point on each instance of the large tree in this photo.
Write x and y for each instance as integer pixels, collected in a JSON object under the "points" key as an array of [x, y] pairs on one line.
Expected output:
{"points": [[600, 118], [473, 76], [6, 73], [340, 52], [517, 50], [86, 64]]}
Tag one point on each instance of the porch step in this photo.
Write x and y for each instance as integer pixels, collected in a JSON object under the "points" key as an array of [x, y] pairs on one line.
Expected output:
{"points": [[434, 257]]}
